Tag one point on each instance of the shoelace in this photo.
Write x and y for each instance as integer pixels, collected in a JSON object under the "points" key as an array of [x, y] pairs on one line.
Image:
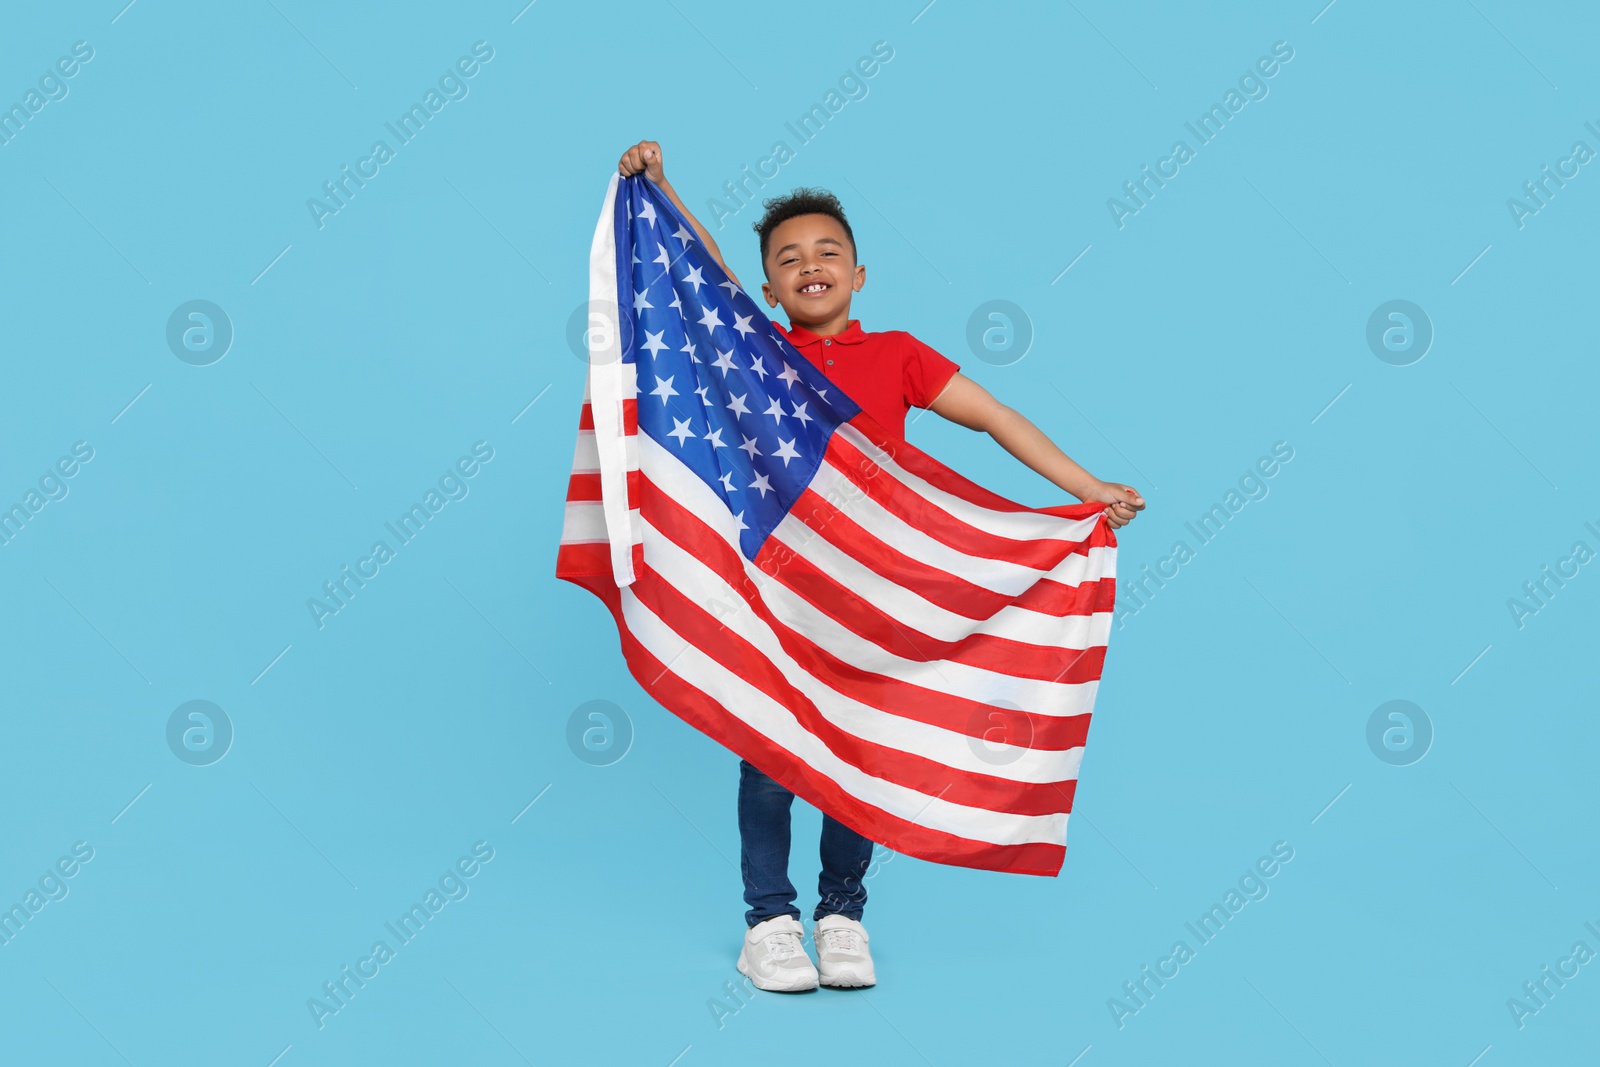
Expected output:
{"points": [[782, 946], [841, 939]]}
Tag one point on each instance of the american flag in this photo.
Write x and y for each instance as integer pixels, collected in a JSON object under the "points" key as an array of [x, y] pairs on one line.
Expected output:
{"points": [[908, 652]]}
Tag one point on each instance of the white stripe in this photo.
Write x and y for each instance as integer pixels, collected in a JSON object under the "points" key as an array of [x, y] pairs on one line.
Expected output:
{"points": [[605, 382], [971, 683], [997, 575], [585, 523], [953, 748], [630, 384], [771, 720], [1017, 525], [586, 454], [909, 608]]}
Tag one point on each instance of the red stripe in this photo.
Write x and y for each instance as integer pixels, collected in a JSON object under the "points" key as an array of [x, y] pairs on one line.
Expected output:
{"points": [[915, 461], [706, 634], [951, 592], [580, 561], [901, 835], [1002, 655], [922, 514], [893, 695], [630, 416], [585, 486]]}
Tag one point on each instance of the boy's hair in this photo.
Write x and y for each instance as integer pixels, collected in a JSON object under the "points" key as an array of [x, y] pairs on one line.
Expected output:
{"points": [[802, 201]]}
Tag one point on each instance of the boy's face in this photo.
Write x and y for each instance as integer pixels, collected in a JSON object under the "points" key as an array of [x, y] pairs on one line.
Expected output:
{"points": [[811, 270]]}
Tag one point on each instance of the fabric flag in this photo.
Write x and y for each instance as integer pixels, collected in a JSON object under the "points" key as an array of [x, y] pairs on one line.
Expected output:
{"points": [[908, 652]]}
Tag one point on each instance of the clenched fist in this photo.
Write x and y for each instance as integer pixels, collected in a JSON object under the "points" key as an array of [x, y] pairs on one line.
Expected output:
{"points": [[1125, 502], [644, 156]]}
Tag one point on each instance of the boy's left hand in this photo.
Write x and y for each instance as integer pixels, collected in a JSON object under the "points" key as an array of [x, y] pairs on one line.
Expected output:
{"points": [[1125, 502]]}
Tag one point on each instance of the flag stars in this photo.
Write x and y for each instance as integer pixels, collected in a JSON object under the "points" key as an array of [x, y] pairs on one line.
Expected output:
{"points": [[715, 437], [688, 346], [762, 485], [662, 257], [733, 290], [742, 323], [727, 482], [664, 388], [757, 365], [799, 412], [648, 213], [711, 320], [696, 279], [724, 362], [683, 235], [789, 375], [701, 393], [680, 430], [653, 343], [739, 519], [737, 405], [775, 409], [749, 447], [785, 452], [641, 301]]}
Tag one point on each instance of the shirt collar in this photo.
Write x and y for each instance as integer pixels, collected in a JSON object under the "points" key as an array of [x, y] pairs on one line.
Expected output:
{"points": [[852, 334]]}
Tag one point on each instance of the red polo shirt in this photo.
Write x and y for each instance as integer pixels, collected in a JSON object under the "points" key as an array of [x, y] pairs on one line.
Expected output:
{"points": [[886, 373]]}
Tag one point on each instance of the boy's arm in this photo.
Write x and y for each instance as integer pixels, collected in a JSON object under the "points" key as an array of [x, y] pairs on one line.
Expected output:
{"points": [[969, 404], [646, 156]]}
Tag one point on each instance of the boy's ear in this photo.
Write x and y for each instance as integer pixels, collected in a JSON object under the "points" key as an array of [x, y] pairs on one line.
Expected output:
{"points": [[860, 278], [766, 291]]}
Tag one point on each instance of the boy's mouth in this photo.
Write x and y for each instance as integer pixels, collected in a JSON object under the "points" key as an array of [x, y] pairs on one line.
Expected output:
{"points": [[814, 289]]}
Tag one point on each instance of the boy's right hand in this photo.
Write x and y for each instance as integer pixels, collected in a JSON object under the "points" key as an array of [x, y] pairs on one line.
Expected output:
{"points": [[644, 156]]}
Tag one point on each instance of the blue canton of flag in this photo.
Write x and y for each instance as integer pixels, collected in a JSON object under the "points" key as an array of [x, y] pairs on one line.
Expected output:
{"points": [[718, 385]]}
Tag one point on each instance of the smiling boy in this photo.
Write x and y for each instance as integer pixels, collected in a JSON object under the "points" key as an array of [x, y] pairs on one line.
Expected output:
{"points": [[808, 254]]}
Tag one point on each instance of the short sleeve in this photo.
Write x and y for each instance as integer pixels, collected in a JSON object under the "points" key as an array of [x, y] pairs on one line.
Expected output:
{"points": [[925, 372]]}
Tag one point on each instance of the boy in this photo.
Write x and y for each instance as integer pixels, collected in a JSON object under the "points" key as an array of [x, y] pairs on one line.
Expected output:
{"points": [[808, 254]]}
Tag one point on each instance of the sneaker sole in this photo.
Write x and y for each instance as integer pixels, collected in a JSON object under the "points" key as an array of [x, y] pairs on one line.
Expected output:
{"points": [[805, 988], [847, 982]]}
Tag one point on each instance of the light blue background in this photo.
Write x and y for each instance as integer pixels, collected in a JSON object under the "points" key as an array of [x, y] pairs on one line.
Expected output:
{"points": [[432, 310]]}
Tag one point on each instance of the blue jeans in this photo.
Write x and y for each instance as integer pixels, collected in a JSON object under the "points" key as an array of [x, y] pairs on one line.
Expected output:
{"points": [[764, 855]]}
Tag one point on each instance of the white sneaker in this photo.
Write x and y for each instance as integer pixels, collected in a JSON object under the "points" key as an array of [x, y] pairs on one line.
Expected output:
{"points": [[842, 954], [774, 956]]}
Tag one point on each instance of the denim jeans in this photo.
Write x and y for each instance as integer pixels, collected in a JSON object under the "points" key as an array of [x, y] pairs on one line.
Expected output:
{"points": [[764, 855]]}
